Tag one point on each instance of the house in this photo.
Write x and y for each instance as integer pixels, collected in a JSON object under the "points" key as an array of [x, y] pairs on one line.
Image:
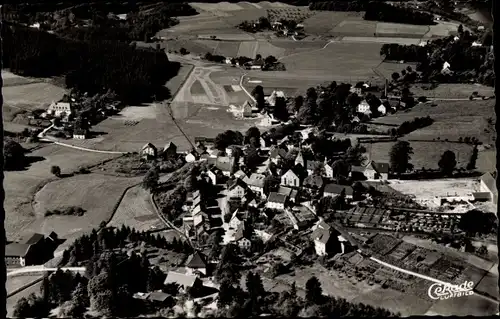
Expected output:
{"points": [[313, 182], [256, 183], [240, 174], [382, 109], [247, 109], [276, 201], [237, 189], [215, 175], [357, 172], [289, 192], [257, 65], [356, 90], [276, 154], [236, 219], [377, 170], [271, 99], [335, 190], [32, 249], [149, 151], [160, 298], [253, 203], [60, 109], [363, 107], [328, 169], [196, 264], [192, 156], [488, 184], [228, 60], [225, 164], [311, 166], [240, 238], [292, 177], [169, 150], [80, 134], [183, 280], [325, 242]]}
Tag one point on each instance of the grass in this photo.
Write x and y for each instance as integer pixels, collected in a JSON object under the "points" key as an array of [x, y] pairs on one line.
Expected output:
{"points": [[452, 119], [136, 210], [426, 154], [16, 282], [96, 194], [470, 305], [404, 303], [324, 21], [127, 166], [489, 285], [400, 30], [388, 68], [428, 189], [338, 59], [355, 27], [248, 49], [197, 89], [176, 82], [32, 96], [452, 90]]}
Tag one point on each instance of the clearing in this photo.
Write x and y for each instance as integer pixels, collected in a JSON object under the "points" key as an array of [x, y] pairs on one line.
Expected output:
{"points": [[32, 96], [97, 194]]}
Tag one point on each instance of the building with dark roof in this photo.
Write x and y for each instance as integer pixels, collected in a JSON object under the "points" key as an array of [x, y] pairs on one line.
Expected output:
{"points": [[32, 249], [276, 201], [377, 170], [197, 264], [334, 190]]}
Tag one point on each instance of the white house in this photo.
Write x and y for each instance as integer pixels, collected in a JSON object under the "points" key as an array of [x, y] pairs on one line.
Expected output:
{"points": [[240, 239], [291, 178], [256, 183], [60, 109], [214, 174], [382, 109], [376, 170], [237, 189], [80, 134], [191, 157], [276, 201], [328, 169], [363, 107], [149, 151], [228, 61], [235, 220]]}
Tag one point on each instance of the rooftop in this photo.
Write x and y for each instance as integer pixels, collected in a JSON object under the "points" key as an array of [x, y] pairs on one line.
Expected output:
{"points": [[196, 260], [276, 198], [180, 279], [337, 189], [255, 179]]}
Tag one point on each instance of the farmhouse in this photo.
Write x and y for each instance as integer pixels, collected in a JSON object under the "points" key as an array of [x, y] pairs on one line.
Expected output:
{"points": [[149, 151], [60, 109], [215, 175], [325, 242], [183, 280], [192, 156], [256, 183], [363, 107], [376, 170], [32, 249], [225, 164], [169, 150], [240, 238], [277, 153], [80, 134], [335, 190], [488, 184], [271, 100], [196, 264], [276, 201]]}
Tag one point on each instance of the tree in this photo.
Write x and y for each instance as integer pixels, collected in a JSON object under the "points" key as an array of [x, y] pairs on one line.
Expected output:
{"points": [[319, 169], [482, 251], [353, 100], [307, 112], [460, 29], [151, 178], [252, 132], [395, 76], [448, 162], [280, 111], [270, 60], [56, 170], [227, 138], [472, 161], [252, 158], [100, 293], [22, 309], [400, 157], [340, 169], [477, 222], [298, 102], [271, 183], [183, 51], [314, 292], [13, 154]]}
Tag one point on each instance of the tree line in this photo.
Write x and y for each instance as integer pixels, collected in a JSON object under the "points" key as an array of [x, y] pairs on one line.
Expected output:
{"points": [[409, 126], [379, 11], [135, 75]]}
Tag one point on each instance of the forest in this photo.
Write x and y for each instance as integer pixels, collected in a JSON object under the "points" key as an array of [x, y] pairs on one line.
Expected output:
{"points": [[388, 13], [135, 75]]}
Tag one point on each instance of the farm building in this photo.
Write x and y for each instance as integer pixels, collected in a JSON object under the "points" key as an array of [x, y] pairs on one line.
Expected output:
{"points": [[363, 107], [240, 238], [277, 153], [80, 134], [289, 192], [276, 201], [60, 109], [325, 242], [256, 183], [488, 184], [32, 249], [237, 189], [247, 109], [377, 170], [149, 151], [335, 190]]}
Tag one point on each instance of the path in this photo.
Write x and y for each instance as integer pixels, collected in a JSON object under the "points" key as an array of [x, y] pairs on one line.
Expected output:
{"points": [[30, 269]]}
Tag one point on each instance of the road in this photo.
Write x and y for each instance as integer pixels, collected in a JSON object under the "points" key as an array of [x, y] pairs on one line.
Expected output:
{"points": [[31, 269]]}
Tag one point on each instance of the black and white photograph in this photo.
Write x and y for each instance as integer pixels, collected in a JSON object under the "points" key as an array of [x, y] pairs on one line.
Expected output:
{"points": [[249, 158]]}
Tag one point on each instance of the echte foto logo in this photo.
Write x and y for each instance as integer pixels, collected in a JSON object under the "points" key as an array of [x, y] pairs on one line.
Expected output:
{"points": [[440, 291]]}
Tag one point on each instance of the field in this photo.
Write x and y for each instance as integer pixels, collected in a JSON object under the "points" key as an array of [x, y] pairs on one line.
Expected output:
{"points": [[425, 154], [175, 83], [360, 28], [32, 96], [429, 189], [136, 210], [450, 90], [11, 302], [470, 305], [20, 186], [400, 30], [16, 282], [452, 119], [96, 194], [11, 79], [338, 60], [388, 68]]}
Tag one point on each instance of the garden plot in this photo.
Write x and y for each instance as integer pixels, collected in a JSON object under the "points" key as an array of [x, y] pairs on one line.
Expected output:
{"points": [[442, 29]]}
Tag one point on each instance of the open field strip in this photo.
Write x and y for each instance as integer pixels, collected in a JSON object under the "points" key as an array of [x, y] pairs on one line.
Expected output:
{"points": [[402, 41]]}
